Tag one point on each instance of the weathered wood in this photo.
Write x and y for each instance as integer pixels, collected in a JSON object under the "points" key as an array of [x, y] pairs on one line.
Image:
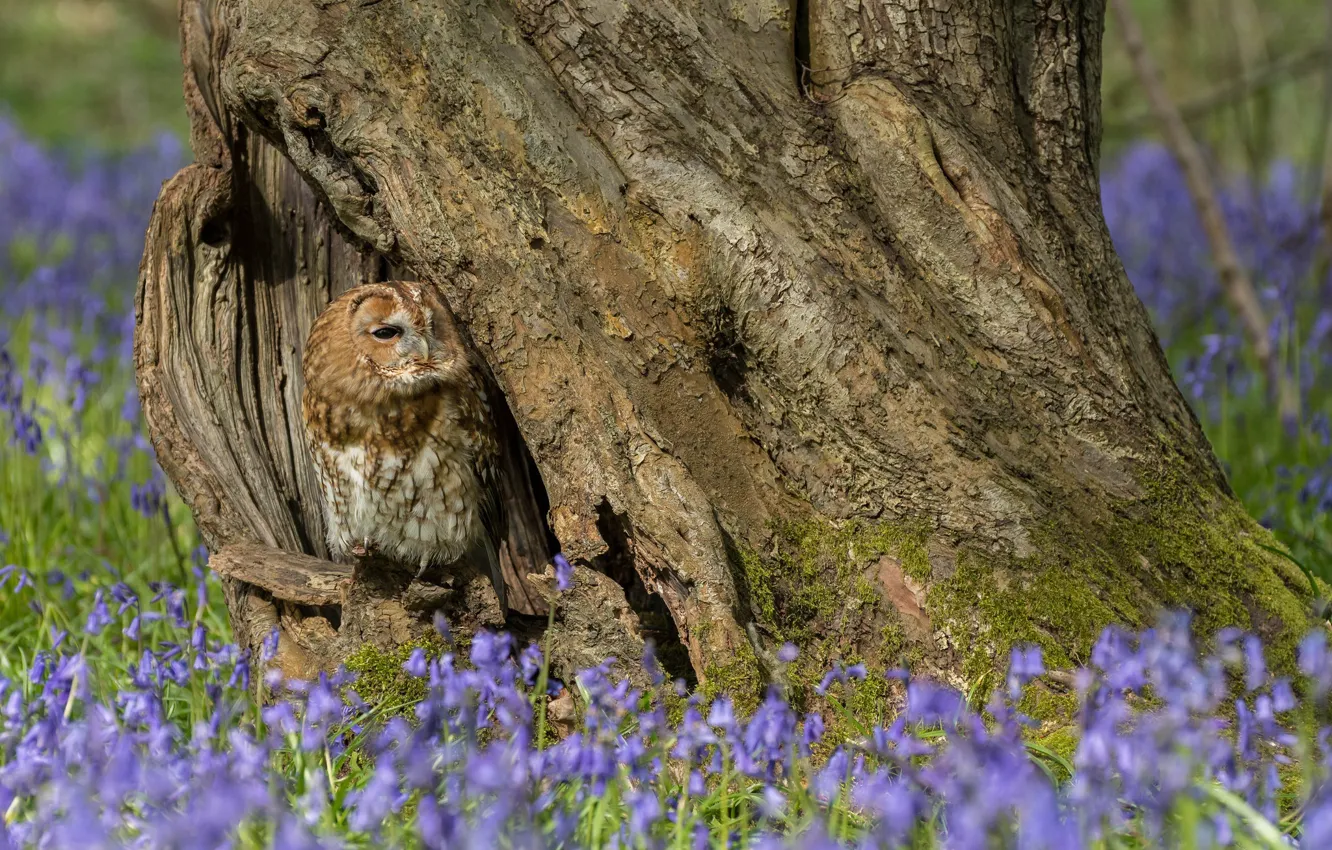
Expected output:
{"points": [[240, 257], [287, 575], [326, 612], [759, 328]]}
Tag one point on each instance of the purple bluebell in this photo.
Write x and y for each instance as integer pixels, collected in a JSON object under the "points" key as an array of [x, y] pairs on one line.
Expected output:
{"points": [[563, 573]]}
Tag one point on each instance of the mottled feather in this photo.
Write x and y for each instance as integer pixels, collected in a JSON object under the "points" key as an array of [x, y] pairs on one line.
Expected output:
{"points": [[399, 418]]}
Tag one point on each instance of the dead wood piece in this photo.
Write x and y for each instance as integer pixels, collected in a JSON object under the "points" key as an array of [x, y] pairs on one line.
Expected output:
{"points": [[388, 606], [325, 612], [286, 575], [562, 712]]}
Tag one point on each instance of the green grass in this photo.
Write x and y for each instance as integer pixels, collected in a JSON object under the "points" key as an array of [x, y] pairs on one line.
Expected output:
{"points": [[100, 72], [90, 535]]}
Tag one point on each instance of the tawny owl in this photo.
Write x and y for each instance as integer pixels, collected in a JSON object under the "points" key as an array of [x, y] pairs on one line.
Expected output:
{"points": [[400, 419]]}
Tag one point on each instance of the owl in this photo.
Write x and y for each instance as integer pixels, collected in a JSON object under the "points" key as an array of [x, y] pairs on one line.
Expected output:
{"points": [[401, 422]]}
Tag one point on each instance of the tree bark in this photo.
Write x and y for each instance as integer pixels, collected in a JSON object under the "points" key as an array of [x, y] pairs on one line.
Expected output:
{"points": [[808, 315]]}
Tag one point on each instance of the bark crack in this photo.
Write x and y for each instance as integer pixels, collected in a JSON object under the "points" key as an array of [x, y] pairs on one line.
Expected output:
{"points": [[801, 43]]}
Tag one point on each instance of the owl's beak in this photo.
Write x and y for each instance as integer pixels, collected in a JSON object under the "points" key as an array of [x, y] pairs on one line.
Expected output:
{"points": [[416, 348]]}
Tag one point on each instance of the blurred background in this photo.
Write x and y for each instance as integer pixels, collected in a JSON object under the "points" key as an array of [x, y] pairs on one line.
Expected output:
{"points": [[91, 72], [91, 122]]}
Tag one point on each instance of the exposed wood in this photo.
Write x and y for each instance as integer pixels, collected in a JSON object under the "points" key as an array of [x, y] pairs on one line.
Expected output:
{"points": [[240, 257], [594, 623], [287, 575]]}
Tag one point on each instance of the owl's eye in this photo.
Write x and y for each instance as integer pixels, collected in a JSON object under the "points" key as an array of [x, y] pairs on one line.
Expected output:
{"points": [[387, 332]]}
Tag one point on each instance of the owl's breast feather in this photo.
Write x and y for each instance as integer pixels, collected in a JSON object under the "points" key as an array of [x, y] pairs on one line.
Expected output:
{"points": [[416, 505]]}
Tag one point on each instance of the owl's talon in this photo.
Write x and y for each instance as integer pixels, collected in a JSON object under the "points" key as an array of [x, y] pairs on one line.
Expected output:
{"points": [[362, 549]]}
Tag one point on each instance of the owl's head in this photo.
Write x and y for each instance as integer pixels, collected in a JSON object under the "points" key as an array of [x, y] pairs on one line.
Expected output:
{"points": [[395, 339]]}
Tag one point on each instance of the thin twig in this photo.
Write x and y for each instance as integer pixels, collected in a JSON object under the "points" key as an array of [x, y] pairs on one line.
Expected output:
{"points": [[1234, 280], [1264, 76], [1325, 152], [1251, 116]]}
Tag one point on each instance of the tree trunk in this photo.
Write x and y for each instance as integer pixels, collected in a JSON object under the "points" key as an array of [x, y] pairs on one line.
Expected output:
{"points": [[808, 315]]}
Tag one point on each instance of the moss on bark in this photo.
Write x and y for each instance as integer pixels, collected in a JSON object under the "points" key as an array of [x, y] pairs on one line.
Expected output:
{"points": [[816, 585], [1181, 545], [816, 567], [381, 679], [741, 679]]}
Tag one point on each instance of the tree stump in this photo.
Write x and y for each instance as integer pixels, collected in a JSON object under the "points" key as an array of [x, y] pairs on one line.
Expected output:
{"points": [[807, 314]]}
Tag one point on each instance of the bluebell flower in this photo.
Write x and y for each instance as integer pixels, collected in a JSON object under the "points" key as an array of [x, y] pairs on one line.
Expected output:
{"points": [[490, 650], [415, 665], [1316, 663], [529, 661], [838, 673], [1023, 666], [268, 647], [1255, 666], [372, 804], [99, 617], [651, 665], [563, 573], [441, 625], [644, 812], [813, 730], [722, 714], [697, 787]]}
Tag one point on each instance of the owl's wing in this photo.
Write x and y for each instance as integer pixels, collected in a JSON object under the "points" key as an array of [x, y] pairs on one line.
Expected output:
{"points": [[492, 518], [335, 533], [525, 546]]}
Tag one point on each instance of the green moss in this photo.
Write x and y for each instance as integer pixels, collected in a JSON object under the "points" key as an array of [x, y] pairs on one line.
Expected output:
{"points": [[904, 541], [1044, 705], [868, 701], [815, 568], [1054, 608], [380, 679], [850, 710], [1219, 570], [675, 706], [1063, 742], [758, 577], [739, 679], [897, 648], [1181, 546], [813, 581]]}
